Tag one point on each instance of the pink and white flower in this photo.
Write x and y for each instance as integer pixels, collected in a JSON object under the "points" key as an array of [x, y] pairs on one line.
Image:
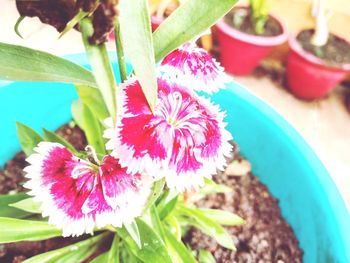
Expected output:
{"points": [[195, 68], [184, 139], [79, 196]]}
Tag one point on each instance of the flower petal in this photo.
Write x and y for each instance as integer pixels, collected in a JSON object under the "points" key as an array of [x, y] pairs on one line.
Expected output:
{"points": [[77, 196], [195, 68], [184, 139]]}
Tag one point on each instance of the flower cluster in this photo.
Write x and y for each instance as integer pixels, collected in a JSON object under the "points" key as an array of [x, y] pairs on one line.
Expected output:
{"points": [[182, 140]]}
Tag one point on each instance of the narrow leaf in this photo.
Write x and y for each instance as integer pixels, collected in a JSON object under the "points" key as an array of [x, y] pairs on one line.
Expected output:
{"points": [[28, 138], [101, 67], [16, 27], [153, 248], [7, 211], [13, 230], [222, 217], [156, 224], [156, 191], [25, 64], [87, 121], [167, 207], [53, 137], [27, 205], [77, 252], [137, 40], [133, 231], [113, 253], [208, 226], [206, 257], [187, 22], [101, 258], [92, 97], [179, 248], [73, 22]]}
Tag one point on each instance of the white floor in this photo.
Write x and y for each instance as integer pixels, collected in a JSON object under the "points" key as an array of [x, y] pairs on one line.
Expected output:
{"points": [[324, 124]]}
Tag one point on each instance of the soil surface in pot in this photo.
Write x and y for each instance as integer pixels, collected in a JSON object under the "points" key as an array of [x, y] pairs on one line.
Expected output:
{"points": [[240, 19], [334, 53], [266, 237]]}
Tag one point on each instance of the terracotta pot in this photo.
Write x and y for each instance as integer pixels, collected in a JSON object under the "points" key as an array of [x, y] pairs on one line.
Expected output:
{"points": [[155, 22], [308, 76], [242, 52]]}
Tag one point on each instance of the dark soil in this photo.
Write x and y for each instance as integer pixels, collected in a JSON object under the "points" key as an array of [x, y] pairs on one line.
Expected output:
{"points": [[266, 237], [335, 53], [272, 26]]}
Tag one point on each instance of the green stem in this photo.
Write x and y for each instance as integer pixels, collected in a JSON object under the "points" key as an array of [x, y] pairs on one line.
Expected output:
{"points": [[113, 254], [101, 68], [120, 51]]}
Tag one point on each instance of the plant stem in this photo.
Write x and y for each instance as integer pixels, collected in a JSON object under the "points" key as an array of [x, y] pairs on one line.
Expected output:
{"points": [[120, 51], [101, 68]]}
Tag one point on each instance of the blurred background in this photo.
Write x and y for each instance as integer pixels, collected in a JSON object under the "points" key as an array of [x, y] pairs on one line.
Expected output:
{"points": [[324, 122]]}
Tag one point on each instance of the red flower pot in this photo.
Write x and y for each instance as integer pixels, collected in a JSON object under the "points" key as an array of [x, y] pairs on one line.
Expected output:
{"points": [[308, 76], [155, 22], [242, 52]]}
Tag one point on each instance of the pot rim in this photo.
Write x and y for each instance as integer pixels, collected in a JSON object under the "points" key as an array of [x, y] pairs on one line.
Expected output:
{"points": [[253, 39], [295, 47]]}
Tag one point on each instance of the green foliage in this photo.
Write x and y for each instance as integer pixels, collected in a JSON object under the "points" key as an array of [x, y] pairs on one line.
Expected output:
{"points": [[206, 257], [92, 97], [13, 230], [222, 217], [133, 231], [28, 138], [6, 210], [153, 249], [25, 64], [198, 219], [27, 205], [77, 252], [101, 67], [180, 27], [113, 253], [259, 15], [89, 123], [137, 40], [53, 137]]}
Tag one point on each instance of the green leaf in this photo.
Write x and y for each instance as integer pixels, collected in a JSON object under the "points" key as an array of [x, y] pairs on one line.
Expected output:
{"points": [[25, 64], [155, 221], [87, 121], [8, 211], [77, 252], [73, 22], [174, 226], [206, 257], [53, 137], [92, 97], [187, 22], [178, 248], [153, 248], [211, 228], [133, 231], [27, 205], [16, 27], [167, 206], [101, 67], [101, 258], [211, 187], [222, 217], [28, 138], [113, 254], [137, 40], [13, 230], [157, 190]]}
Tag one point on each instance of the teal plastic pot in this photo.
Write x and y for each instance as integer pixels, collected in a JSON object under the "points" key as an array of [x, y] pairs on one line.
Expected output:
{"points": [[309, 199]]}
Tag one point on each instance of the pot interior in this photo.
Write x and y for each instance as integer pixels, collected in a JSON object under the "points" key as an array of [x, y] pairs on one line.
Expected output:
{"points": [[309, 200]]}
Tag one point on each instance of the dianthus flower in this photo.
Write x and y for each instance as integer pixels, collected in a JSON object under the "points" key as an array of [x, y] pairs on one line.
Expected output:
{"points": [[195, 68], [78, 195], [183, 140]]}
